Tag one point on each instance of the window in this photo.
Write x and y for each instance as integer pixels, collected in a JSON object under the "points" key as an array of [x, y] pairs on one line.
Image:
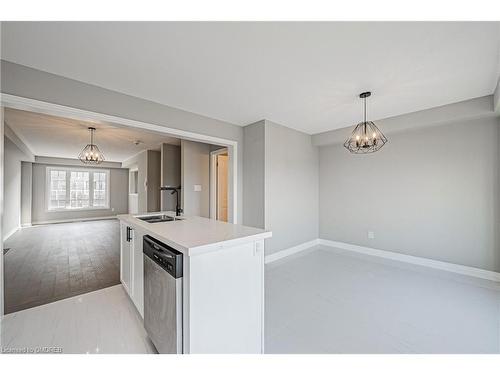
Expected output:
{"points": [[100, 189], [77, 189], [57, 197]]}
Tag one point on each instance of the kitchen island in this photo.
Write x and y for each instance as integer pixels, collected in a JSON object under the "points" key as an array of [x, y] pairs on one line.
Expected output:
{"points": [[222, 279]]}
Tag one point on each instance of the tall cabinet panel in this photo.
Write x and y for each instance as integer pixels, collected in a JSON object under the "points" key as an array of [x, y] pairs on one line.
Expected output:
{"points": [[138, 272]]}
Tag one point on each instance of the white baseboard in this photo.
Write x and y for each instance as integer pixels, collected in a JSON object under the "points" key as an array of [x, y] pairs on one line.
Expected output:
{"points": [[11, 233], [426, 262], [290, 251], [26, 225], [73, 220]]}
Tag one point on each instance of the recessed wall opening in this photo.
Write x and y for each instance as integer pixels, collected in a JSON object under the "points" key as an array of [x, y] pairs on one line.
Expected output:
{"points": [[48, 191]]}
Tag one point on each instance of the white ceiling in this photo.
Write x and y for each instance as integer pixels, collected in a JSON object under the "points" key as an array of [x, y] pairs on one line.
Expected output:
{"points": [[303, 75], [64, 138]]}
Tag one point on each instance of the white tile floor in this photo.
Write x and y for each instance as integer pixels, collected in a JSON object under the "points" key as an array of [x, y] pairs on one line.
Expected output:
{"points": [[104, 321], [330, 301], [319, 301]]}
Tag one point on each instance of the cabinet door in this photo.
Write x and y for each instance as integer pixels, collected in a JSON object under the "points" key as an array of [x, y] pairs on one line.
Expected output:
{"points": [[125, 259], [226, 300], [138, 272]]}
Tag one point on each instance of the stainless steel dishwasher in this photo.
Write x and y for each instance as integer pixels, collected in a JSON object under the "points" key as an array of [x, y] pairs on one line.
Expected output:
{"points": [[163, 295]]}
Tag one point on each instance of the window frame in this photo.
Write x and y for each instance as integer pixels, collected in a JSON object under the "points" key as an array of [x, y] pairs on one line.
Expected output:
{"points": [[68, 171]]}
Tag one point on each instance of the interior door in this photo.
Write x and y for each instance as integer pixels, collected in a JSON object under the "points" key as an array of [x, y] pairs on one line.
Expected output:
{"points": [[222, 187]]}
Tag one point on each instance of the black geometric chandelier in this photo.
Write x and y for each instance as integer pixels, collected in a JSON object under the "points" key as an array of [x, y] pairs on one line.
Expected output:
{"points": [[366, 137], [91, 153]]}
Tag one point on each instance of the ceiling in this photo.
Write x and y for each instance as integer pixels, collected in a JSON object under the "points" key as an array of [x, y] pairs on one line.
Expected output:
{"points": [[64, 138], [303, 75]]}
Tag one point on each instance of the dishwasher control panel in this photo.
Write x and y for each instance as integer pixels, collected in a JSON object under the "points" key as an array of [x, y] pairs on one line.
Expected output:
{"points": [[165, 256]]}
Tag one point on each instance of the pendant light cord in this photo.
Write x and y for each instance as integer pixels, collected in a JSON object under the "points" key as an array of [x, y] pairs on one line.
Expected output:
{"points": [[365, 108], [364, 122]]}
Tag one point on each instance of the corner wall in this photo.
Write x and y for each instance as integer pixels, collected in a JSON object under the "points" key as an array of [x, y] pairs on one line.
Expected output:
{"points": [[195, 170], [280, 184], [254, 149], [13, 156], [291, 188]]}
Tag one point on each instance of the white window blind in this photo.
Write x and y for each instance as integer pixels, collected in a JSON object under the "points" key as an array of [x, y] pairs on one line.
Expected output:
{"points": [[77, 189]]}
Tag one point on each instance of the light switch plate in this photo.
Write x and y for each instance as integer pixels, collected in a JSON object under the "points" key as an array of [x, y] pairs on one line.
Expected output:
{"points": [[371, 235], [197, 187]]}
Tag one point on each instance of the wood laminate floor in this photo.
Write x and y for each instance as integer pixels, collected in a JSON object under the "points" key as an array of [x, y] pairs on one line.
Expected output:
{"points": [[52, 262]]}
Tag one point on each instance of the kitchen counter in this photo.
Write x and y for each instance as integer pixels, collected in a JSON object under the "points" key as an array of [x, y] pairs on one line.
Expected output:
{"points": [[222, 286], [196, 235]]}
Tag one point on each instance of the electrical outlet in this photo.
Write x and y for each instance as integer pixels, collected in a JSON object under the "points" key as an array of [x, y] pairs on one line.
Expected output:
{"points": [[371, 235], [197, 187]]}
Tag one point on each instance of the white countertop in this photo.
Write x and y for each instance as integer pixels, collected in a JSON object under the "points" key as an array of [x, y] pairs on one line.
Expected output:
{"points": [[194, 234]]}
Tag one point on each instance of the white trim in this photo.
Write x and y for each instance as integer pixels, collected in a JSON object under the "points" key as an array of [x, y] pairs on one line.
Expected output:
{"points": [[11, 233], [290, 251], [420, 261], [425, 262], [213, 189], [72, 220], [213, 180], [27, 104], [26, 225]]}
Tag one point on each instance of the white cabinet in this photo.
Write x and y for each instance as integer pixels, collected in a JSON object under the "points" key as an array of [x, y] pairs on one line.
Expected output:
{"points": [[131, 264], [126, 256]]}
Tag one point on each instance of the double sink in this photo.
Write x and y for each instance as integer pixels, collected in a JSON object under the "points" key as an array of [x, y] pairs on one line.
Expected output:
{"points": [[158, 218]]}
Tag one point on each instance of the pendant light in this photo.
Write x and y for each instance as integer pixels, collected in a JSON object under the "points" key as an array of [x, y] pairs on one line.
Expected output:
{"points": [[366, 137], [91, 153]]}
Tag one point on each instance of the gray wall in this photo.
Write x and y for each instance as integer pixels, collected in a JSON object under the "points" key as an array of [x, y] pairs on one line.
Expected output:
{"points": [[154, 177], [148, 164], [281, 184], [170, 174], [118, 197], [140, 161], [12, 187], [291, 187], [26, 192], [195, 170], [254, 175], [429, 192], [31, 83]]}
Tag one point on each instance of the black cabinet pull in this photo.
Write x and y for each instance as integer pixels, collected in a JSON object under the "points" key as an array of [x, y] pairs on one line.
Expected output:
{"points": [[129, 237]]}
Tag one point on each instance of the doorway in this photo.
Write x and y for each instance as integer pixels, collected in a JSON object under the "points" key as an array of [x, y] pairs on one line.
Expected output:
{"points": [[219, 184]]}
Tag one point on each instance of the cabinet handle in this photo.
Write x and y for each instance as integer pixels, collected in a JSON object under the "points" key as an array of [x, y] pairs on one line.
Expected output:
{"points": [[129, 237]]}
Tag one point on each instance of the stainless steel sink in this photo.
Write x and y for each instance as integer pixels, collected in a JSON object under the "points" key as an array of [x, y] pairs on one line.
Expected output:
{"points": [[157, 218]]}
